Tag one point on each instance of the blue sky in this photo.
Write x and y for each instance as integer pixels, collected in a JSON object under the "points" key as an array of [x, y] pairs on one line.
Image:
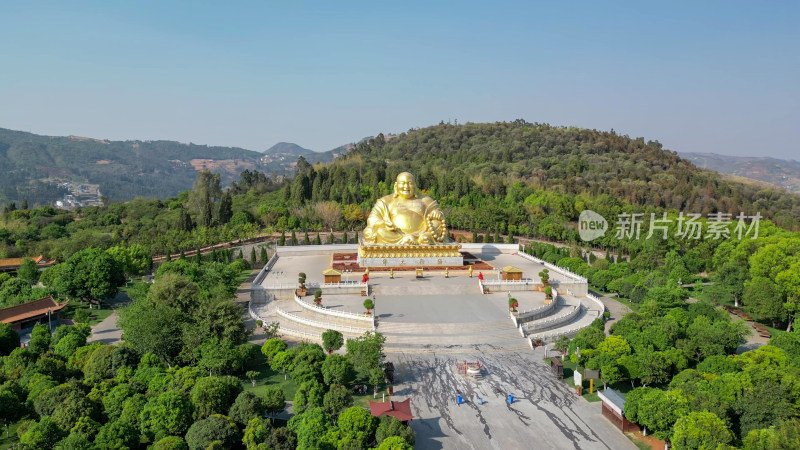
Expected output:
{"points": [[719, 77]]}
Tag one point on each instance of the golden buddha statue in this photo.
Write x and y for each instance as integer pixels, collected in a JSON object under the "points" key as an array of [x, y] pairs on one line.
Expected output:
{"points": [[406, 217]]}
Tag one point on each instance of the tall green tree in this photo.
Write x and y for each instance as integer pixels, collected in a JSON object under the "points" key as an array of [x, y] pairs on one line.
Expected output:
{"points": [[700, 430], [224, 212], [332, 340], [215, 428]]}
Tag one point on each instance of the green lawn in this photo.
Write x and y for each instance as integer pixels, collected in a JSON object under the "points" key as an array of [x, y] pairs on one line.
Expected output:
{"points": [[268, 377], [12, 436], [622, 387], [569, 369], [97, 314]]}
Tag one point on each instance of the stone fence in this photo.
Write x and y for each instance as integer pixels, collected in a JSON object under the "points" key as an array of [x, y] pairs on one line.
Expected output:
{"points": [[508, 285], [368, 320], [537, 313], [554, 322], [554, 268]]}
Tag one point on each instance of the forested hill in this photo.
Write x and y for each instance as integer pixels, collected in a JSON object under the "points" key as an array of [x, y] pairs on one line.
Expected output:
{"points": [[123, 169], [282, 157], [449, 159]]}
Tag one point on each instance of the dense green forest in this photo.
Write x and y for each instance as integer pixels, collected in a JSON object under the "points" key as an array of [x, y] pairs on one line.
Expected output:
{"points": [[176, 381]]}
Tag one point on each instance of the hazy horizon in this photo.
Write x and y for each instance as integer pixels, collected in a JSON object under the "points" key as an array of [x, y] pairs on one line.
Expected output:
{"points": [[707, 78]]}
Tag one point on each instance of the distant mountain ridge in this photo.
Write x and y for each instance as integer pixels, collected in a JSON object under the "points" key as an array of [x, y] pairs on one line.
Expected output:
{"points": [[288, 148], [784, 173], [34, 165]]}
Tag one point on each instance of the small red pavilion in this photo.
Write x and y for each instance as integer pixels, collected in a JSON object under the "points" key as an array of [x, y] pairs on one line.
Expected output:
{"points": [[399, 410]]}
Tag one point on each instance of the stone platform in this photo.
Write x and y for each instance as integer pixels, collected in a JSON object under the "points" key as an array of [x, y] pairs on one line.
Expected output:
{"points": [[391, 255], [349, 262]]}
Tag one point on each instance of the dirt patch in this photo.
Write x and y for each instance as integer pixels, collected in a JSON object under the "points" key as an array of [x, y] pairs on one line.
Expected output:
{"points": [[650, 440]]}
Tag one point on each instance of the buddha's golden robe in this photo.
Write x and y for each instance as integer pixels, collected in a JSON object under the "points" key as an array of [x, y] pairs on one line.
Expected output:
{"points": [[395, 220]]}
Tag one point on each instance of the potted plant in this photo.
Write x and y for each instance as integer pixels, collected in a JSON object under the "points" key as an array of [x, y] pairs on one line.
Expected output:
{"points": [[537, 342], [317, 297], [513, 304], [301, 280], [369, 305], [545, 276], [548, 292]]}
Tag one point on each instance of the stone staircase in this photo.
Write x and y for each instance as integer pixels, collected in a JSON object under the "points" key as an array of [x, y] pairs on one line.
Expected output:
{"points": [[451, 337]]}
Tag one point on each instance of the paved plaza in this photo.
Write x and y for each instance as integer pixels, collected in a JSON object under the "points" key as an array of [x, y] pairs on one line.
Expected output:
{"points": [[433, 321], [546, 414]]}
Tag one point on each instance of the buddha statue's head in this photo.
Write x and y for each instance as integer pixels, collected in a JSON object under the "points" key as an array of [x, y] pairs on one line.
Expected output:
{"points": [[405, 187]]}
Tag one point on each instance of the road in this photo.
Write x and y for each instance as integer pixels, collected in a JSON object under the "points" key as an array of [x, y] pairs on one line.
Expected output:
{"points": [[107, 331]]}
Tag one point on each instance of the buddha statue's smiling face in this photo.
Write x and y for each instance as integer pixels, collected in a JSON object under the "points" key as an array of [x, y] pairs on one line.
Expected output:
{"points": [[404, 186]]}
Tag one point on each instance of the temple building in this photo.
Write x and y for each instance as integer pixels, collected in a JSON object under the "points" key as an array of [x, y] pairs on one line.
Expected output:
{"points": [[29, 314], [12, 264]]}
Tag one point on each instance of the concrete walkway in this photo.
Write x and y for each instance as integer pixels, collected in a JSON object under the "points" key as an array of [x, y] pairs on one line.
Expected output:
{"points": [[617, 309], [107, 331]]}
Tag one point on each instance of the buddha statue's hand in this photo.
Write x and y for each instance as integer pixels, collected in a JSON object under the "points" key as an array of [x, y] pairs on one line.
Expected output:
{"points": [[389, 226], [426, 238], [436, 215]]}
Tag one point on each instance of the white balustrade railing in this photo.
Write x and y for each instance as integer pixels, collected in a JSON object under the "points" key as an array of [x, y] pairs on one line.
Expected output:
{"points": [[336, 313], [315, 324], [526, 281], [553, 322], [265, 270], [597, 301], [280, 286], [566, 272], [533, 314], [546, 336]]}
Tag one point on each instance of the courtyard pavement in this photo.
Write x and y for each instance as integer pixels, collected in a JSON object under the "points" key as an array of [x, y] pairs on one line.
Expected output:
{"points": [[546, 413]]}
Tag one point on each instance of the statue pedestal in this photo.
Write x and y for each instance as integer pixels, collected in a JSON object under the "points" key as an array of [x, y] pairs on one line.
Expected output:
{"points": [[389, 255]]}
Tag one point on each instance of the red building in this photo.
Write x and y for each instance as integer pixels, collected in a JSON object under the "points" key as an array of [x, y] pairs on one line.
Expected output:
{"points": [[29, 314], [399, 410]]}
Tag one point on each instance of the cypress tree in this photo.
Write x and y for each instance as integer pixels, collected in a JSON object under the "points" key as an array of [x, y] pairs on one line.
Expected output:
{"points": [[497, 237], [282, 239], [355, 237], [214, 255], [306, 240], [169, 256], [317, 240], [182, 255], [264, 255], [489, 238], [331, 239], [474, 236], [241, 255], [224, 212], [294, 238], [198, 257], [253, 256]]}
